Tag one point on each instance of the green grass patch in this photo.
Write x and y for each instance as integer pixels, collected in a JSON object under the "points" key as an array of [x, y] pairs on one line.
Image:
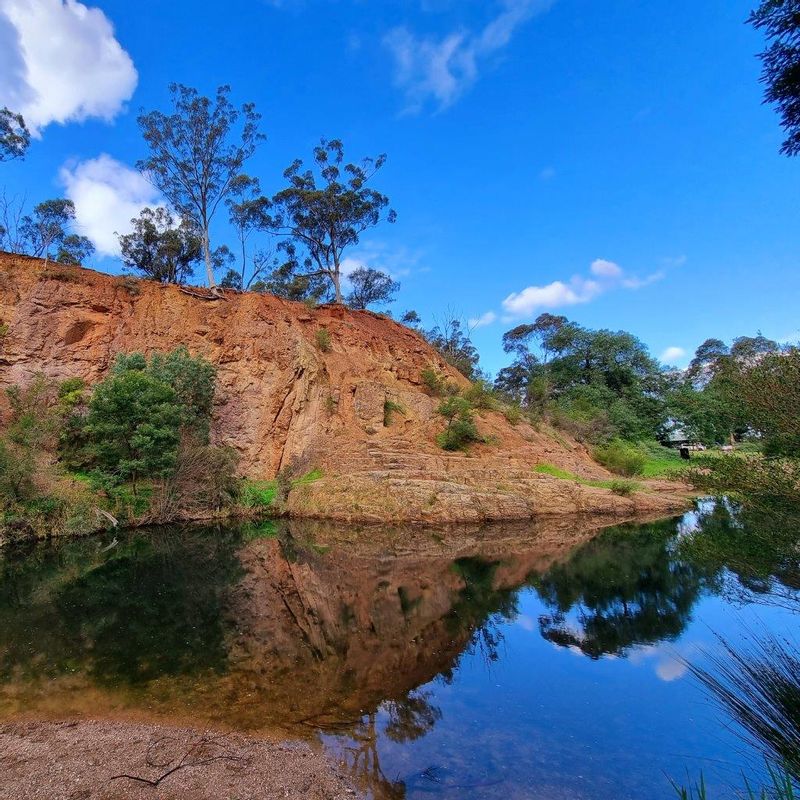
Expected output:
{"points": [[309, 477], [258, 494], [616, 485]]}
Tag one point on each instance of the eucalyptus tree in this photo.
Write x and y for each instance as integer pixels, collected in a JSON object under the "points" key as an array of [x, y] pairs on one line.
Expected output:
{"points": [[780, 20], [248, 211], [46, 234], [197, 155], [159, 249], [325, 215], [370, 287], [14, 135]]}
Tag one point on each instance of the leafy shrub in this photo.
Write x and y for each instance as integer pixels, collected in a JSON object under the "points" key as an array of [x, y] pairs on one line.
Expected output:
{"points": [[621, 458], [584, 425], [623, 488], [17, 470], [765, 484], [512, 412], [435, 383], [391, 407], [323, 340], [461, 429], [481, 395]]}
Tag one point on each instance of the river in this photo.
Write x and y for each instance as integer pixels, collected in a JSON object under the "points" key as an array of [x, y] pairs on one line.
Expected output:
{"points": [[541, 660]]}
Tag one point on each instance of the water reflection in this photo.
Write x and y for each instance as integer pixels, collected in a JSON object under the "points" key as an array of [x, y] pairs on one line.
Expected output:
{"points": [[623, 589], [753, 554], [372, 637]]}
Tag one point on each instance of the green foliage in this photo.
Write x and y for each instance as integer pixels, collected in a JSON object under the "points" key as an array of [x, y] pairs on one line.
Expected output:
{"points": [[158, 249], [461, 429], [594, 384], [14, 135], [512, 412], [370, 287], [134, 424], [481, 395], [17, 470], [621, 458], [770, 391], [46, 234], [192, 378], [437, 384], [322, 338], [623, 488], [454, 346], [326, 214], [248, 212], [193, 159], [258, 494], [780, 21], [754, 480], [391, 407]]}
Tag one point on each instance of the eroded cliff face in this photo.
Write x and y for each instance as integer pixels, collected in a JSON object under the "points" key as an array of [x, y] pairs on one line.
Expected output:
{"points": [[280, 400]]}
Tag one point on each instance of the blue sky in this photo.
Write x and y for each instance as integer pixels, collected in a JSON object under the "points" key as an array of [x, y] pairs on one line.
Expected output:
{"points": [[609, 161]]}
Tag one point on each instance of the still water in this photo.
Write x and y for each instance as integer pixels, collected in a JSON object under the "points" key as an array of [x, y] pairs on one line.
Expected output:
{"points": [[544, 660]]}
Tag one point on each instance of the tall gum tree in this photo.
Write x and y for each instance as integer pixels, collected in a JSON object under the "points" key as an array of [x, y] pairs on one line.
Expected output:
{"points": [[195, 157], [323, 219]]}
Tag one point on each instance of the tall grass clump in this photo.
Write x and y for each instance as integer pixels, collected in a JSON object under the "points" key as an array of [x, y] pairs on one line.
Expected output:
{"points": [[621, 458], [760, 688]]}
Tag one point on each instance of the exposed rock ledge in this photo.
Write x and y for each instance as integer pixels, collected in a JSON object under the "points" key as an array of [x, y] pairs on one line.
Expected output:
{"points": [[280, 400]]}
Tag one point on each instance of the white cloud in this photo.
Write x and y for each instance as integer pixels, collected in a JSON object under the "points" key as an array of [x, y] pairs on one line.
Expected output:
{"points": [[672, 355], [482, 321], [442, 69], [634, 282], [605, 269], [60, 62], [553, 295], [107, 195], [397, 262], [604, 275]]}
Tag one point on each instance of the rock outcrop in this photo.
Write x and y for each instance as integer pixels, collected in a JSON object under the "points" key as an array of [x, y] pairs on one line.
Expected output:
{"points": [[282, 400]]}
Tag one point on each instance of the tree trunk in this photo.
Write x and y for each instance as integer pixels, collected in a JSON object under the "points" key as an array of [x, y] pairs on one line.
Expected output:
{"points": [[337, 285], [209, 267]]}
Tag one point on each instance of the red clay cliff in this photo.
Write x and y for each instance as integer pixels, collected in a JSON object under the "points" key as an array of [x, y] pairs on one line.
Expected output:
{"points": [[282, 401]]}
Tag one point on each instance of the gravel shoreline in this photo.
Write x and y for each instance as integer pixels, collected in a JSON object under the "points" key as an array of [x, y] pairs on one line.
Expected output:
{"points": [[81, 759]]}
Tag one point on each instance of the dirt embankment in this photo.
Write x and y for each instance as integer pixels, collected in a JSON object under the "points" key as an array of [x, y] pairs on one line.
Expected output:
{"points": [[283, 400]]}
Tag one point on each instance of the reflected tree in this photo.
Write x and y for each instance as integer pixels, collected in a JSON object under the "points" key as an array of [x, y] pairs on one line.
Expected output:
{"points": [[151, 606], [622, 589], [753, 553], [412, 717], [481, 608]]}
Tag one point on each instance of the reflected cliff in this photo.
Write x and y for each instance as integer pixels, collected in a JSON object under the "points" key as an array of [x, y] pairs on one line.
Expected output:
{"points": [[296, 625], [350, 633]]}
